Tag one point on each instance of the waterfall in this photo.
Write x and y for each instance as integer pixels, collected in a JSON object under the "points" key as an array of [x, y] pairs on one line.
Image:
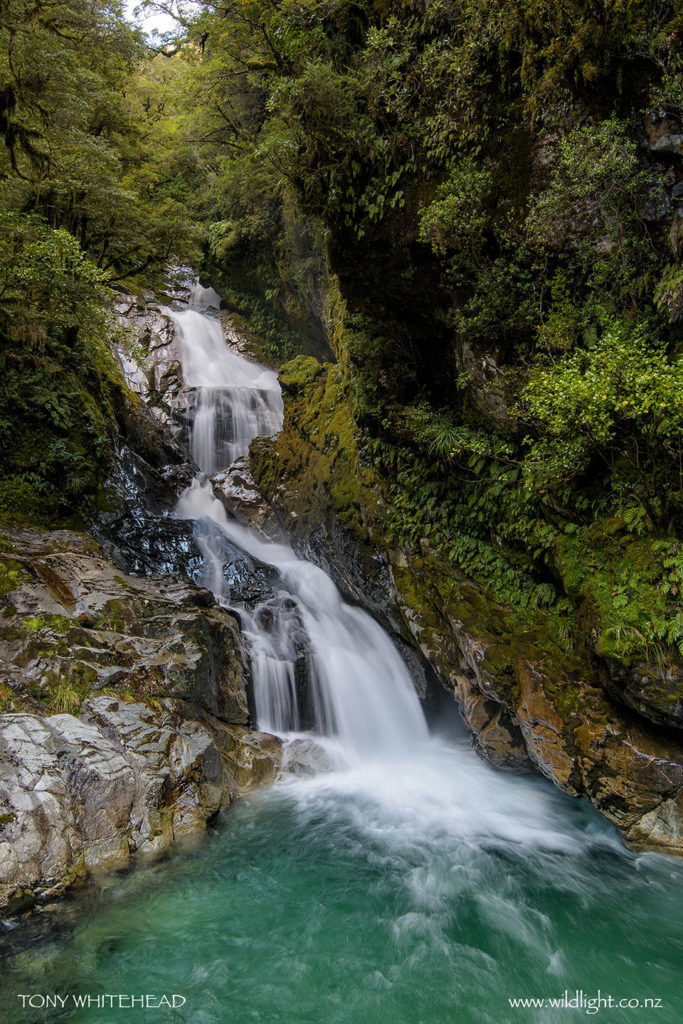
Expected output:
{"points": [[229, 400], [359, 690]]}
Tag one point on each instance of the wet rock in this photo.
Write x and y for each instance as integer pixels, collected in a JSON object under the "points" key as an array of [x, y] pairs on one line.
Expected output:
{"points": [[631, 774], [528, 704], [137, 525], [74, 624], [151, 739], [236, 489], [79, 796], [543, 729], [177, 761], [495, 735], [250, 758], [148, 353], [304, 757]]}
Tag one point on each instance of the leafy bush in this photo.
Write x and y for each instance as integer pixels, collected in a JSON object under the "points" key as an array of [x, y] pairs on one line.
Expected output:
{"points": [[618, 399]]}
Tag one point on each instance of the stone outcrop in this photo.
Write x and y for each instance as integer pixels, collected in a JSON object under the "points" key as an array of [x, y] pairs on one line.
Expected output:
{"points": [[530, 705], [236, 489], [125, 714], [82, 795], [74, 624]]}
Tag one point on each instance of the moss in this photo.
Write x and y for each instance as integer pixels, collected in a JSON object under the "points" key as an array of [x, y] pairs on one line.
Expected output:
{"points": [[317, 453], [114, 616], [58, 421], [12, 575], [298, 373], [55, 623], [33, 624]]}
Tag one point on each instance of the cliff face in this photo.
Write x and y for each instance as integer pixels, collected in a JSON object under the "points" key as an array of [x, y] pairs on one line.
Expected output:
{"points": [[531, 700]]}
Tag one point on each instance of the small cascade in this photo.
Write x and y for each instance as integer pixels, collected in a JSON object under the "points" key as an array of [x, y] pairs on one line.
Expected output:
{"points": [[358, 688], [229, 400], [271, 632]]}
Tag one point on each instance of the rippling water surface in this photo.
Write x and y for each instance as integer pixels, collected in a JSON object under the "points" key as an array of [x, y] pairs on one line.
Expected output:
{"points": [[427, 890]]}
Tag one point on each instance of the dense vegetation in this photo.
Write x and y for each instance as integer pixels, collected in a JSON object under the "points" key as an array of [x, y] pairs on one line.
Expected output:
{"points": [[494, 185], [90, 194]]}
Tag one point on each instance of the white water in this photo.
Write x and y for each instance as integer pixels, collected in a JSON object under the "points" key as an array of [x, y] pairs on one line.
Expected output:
{"points": [[360, 690], [231, 400]]}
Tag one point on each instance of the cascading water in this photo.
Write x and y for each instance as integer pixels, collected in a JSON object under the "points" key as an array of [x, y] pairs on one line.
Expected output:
{"points": [[360, 690], [229, 400], [420, 887]]}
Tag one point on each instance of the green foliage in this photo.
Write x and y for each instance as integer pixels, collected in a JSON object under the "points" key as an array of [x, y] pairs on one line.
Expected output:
{"points": [[60, 383], [93, 187], [474, 173], [455, 222], [48, 286], [478, 174], [619, 399], [669, 293], [590, 208], [630, 587], [64, 698], [82, 145]]}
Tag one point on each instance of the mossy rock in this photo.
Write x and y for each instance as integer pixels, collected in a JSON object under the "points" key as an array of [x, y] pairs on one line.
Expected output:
{"points": [[298, 373]]}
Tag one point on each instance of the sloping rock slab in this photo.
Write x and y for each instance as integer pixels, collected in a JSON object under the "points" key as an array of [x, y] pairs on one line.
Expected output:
{"points": [[71, 624], [82, 795]]}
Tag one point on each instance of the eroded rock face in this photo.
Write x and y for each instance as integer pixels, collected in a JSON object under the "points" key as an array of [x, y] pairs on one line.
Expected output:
{"points": [[125, 723], [250, 758], [149, 355], [74, 624], [530, 705], [654, 689], [237, 490], [305, 757], [82, 795]]}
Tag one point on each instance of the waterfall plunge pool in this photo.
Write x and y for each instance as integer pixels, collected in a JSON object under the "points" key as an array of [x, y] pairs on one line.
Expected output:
{"points": [[429, 889]]}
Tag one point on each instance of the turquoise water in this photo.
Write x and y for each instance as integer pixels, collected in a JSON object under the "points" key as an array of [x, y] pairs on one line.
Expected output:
{"points": [[428, 890]]}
